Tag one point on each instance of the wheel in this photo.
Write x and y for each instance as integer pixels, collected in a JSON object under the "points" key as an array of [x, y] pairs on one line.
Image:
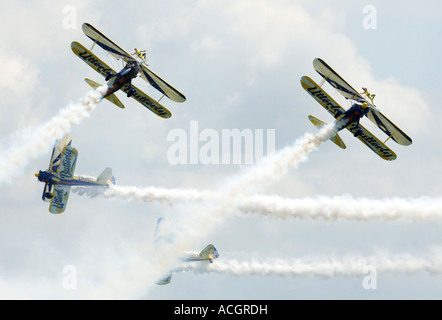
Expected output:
{"points": [[130, 92], [338, 113], [49, 195], [358, 132]]}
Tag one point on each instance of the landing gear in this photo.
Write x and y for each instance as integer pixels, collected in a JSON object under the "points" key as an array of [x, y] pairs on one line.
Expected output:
{"points": [[49, 195], [358, 132], [338, 113], [130, 92], [108, 76]]}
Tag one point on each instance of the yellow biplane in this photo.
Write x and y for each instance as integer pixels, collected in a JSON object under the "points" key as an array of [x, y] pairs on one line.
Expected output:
{"points": [[362, 106], [134, 65]]}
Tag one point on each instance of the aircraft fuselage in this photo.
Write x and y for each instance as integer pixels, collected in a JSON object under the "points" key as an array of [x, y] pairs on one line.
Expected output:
{"points": [[354, 114], [125, 76], [50, 178]]}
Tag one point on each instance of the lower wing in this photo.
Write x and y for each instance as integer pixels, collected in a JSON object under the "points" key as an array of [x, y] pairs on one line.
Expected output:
{"points": [[321, 96], [92, 60], [60, 198], [148, 102], [372, 142]]}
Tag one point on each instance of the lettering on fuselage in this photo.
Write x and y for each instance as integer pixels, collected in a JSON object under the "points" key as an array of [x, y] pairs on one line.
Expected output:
{"points": [[94, 62], [67, 164]]}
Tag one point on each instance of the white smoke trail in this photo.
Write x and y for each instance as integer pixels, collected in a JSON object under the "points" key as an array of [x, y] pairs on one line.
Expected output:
{"points": [[329, 208], [344, 207], [268, 170], [275, 165], [153, 194], [197, 221], [32, 142], [347, 266]]}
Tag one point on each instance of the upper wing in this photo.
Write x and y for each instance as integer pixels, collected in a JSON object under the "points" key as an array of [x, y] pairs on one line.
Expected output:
{"points": [[68, 160], [372, 142], [161, 85], [336, 80], [388, 127], [59, 146], [107, 44], [320, 95], [60, 198], [92, 60], [119, 53], [148, 102]]}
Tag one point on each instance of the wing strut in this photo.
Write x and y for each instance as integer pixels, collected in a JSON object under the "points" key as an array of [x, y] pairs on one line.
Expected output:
{"points": [[93, 45]]}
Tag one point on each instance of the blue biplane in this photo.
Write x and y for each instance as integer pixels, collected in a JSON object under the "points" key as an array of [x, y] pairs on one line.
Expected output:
{"points": [[59, 177]]}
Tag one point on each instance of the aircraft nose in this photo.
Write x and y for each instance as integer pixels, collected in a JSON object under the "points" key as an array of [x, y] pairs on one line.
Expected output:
{"points": [[37, 174]]}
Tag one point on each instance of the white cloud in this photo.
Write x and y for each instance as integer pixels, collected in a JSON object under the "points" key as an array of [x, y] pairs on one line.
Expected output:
{"points": [[239, 64]]}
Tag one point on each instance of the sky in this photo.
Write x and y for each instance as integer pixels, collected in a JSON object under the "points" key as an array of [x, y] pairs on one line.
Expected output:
{"points": [[309, 221]]}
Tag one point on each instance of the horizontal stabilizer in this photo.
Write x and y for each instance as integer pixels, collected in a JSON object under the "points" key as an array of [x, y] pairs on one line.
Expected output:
{"points": [[165, 280], [321, 124], [209, 253], [106, 177], [112, 98]]}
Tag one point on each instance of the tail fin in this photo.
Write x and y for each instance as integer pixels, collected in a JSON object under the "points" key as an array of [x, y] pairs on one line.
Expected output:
{"points": [[165, 280], [209, 252], [106, 177], [112, 98], [320, 124]]}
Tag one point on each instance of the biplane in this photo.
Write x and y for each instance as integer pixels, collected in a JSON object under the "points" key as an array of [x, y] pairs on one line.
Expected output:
{"points": [[362, 105], [134, 65], [209, 253], [60, 177]]}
